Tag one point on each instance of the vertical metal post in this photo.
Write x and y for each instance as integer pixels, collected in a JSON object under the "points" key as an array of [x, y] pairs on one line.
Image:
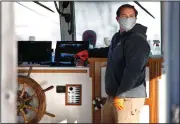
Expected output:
{"points": [[65, 36], [72, 9], [8, 64], [171, 39]]}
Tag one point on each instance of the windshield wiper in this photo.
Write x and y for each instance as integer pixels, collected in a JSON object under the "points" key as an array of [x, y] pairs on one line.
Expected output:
{"points": [[43, 6], [144, 8]]}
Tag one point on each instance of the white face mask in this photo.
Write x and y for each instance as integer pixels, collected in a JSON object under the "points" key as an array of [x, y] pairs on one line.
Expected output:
{"points": [[127, 23]]}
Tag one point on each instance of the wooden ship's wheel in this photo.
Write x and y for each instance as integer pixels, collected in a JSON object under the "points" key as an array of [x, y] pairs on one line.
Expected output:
{"points": [[31, 100]]}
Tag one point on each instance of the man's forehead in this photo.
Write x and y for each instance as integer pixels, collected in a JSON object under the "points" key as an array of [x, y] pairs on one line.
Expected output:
{"points": [[127, 11]]}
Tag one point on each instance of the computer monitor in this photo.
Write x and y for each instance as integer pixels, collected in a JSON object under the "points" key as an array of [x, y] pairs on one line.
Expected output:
{"points": [[65, 50], [34, 51]]}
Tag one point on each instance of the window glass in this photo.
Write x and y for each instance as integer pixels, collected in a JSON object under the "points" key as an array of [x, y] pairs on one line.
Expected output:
{"points": [[101, 17], [34, 20]]}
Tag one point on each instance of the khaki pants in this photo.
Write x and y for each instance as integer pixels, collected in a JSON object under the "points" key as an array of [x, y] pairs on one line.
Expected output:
{"points": [[130, 113]]}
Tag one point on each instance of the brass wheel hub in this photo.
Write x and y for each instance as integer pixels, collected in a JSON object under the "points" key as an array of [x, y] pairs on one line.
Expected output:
{"points": [[20, 103]]}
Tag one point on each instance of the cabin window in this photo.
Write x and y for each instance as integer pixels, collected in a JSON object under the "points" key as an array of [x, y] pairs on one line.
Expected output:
{"points": [[101, 17], [34, 20]]}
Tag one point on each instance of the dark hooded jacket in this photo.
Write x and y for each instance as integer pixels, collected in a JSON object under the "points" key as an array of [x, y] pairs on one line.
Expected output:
{"points": [[128, 55]]}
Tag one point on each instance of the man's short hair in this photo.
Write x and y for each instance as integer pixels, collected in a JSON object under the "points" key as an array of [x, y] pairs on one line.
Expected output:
{"points": [[126, 6]]}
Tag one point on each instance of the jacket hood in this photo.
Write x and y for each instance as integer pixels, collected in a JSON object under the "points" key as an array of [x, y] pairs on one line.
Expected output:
{"points": [[138, 28]]}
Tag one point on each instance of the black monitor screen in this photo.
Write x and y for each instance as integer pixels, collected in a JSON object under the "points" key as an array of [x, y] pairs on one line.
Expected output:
{"points": [[34, 51], [65, 50]]}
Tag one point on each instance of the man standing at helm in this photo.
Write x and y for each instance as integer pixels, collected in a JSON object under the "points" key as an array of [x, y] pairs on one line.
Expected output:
{"points": [[125, 82]]}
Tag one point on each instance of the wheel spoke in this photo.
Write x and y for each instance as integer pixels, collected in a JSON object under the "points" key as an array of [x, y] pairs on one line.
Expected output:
{"points": [[49, 88], [31, 108], [24, 116], [49, 114], [23, 90], [30, 98]]}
